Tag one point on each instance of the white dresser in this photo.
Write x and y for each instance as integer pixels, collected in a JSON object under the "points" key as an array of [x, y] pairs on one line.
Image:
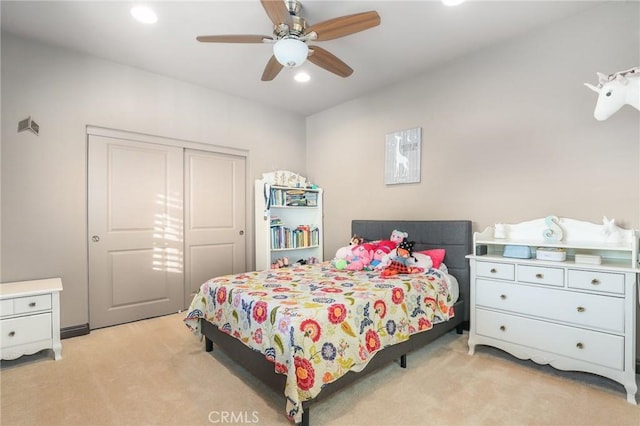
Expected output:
{"points": [[30, 318], [573, 316]]}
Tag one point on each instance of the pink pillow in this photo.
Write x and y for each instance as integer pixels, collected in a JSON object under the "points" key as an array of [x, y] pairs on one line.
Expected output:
{"points": [[436, 255]]}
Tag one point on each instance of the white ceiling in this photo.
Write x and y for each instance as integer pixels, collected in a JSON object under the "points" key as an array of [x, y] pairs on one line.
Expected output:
{"points": [[413, 36]]}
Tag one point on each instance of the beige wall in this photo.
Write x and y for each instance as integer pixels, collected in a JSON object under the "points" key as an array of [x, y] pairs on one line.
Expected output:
{"points": [[508, 135], [44, 177]]}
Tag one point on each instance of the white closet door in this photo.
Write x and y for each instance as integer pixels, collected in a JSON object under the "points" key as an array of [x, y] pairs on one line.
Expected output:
{"points": [[135, 230], [215, 217]]}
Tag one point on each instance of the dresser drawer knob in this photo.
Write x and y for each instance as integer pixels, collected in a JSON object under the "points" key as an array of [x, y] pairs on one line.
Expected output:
{"points": [[493, 270], [581, 309], [503, 328], [539, 276], [503, 296], [32, 304], [12, 333], [580, 345], [595, 281]]}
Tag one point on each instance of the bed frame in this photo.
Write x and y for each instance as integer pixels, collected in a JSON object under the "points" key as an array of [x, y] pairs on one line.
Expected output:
{"points": [[454, 236]]}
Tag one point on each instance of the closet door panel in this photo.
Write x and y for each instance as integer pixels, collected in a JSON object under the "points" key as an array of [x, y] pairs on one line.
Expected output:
{"points": [[135, 193], [215, 217]]}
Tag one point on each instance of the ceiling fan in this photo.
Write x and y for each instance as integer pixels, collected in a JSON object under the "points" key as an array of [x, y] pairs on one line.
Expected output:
{"points": [[291, 35]]}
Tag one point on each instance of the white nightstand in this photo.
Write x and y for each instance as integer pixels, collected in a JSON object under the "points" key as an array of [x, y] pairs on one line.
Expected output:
{"points": [[30, 318]]}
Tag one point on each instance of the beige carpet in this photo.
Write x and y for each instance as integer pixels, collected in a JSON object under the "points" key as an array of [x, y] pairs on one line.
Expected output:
{"points": [[155, 372]]}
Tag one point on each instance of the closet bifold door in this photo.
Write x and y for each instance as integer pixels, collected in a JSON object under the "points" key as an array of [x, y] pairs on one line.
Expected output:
{"points": [[214, 217], [135, 230]]}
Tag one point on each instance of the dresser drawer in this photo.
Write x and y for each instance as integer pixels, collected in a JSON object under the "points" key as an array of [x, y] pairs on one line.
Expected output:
{"points": [[25, 305], [585, 345], [585, 310], [6, 307], [23, 330], [503, 271], [541, 275], [608, 282]]}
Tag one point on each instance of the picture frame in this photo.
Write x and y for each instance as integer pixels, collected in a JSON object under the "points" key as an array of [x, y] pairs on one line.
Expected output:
{"points": [[403, 156]]}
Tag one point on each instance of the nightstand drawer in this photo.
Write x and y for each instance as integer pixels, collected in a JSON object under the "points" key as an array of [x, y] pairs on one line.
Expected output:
{"points": [[25, 305], [503, 271], [604, 313], [608, 282], [541, 275], [585, 345], [23, 330]]}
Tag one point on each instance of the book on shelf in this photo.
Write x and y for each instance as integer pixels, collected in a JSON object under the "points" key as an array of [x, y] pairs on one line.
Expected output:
{"points": [[293, 197], [302, 236]]}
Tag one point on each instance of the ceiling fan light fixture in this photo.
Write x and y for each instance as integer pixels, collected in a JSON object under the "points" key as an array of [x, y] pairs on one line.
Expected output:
{"points": [[302, 77], [144, 14], [452, 2], [290, 52]]}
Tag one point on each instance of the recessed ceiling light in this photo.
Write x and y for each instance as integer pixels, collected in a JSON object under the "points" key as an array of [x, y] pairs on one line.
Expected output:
{"points": [[452, 2], [302, 77], [144, 14]]}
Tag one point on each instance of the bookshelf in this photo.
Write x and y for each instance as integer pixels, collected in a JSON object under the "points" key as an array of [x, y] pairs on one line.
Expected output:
{"points": [[288, 219]]}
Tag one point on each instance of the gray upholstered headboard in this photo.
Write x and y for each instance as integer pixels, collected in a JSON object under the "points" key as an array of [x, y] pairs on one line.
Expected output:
{"points": [[455, 236]]}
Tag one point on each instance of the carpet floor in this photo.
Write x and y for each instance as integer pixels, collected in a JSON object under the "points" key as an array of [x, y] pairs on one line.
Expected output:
{"points": [[155, 372]]}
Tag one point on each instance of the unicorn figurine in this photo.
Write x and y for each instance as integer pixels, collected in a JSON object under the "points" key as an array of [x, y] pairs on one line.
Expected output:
{"points": [[615, 90]]}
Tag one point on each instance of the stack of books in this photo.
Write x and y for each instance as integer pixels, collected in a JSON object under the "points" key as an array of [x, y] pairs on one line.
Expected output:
{"points": [[283, 237]]}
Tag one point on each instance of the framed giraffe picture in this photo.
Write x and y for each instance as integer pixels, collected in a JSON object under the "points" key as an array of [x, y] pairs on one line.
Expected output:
{"points": [[402, 156]]}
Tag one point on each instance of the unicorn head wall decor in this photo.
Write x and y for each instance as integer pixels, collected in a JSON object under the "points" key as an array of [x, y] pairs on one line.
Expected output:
{"points": [[615, 90]]}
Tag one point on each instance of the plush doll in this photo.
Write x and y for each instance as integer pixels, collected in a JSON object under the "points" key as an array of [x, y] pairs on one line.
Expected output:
{"points": [[345, 252], [400, 263], [398, 236], [381, 253], [361, 256], [356, 240]]}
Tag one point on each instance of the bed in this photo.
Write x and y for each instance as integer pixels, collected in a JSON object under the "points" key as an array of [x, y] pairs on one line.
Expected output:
{"points": [[291, 330]]}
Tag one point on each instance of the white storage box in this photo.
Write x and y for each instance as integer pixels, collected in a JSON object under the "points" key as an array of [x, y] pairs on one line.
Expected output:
{"points": [[590, 259], [551, 253]]}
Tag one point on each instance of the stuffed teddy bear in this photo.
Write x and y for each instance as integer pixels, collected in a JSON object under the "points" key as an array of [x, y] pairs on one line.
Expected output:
{"points": [[398, 236]]}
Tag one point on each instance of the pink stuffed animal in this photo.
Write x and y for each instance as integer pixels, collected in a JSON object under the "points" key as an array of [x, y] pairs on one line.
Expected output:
{"points": [[382, 250], [361, 257]]}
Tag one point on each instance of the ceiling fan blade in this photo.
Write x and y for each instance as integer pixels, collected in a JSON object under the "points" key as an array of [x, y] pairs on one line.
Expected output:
{"points": [[272, 69], [329, 61], [230, 38], [344, 25], [277, 11]]}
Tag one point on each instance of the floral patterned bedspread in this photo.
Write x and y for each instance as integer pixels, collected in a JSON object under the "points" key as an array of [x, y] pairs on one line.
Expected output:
{"points": [[316, 323]]}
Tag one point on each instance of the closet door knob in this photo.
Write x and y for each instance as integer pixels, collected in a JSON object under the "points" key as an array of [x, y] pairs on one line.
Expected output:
{"points": [[95, 238], [241, 232]]}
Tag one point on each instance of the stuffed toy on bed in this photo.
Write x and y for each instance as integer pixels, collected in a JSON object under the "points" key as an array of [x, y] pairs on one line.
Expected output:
{"points": [[361, 256], [398, 236], [381, 253], [401, 262]]}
